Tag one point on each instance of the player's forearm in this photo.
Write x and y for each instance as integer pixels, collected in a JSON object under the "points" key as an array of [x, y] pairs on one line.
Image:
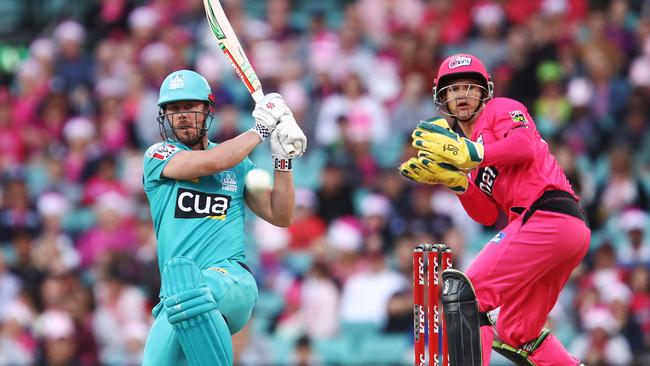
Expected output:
{"points": [[282, 199], [193, 164], [478, 206], [517, 148], [232, 152]]}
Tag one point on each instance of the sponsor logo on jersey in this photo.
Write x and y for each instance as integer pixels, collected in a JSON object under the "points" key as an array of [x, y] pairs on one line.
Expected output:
{"points": [[228, 181], [219, 269], [161, 151], [191, 204], [498, 237], [177, 82], [459, 61], [518, 117], [485, 178], [480, 139]]}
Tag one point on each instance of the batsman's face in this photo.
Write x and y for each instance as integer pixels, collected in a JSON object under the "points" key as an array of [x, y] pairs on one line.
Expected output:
{"points": [[186, 118], [462, 97]]}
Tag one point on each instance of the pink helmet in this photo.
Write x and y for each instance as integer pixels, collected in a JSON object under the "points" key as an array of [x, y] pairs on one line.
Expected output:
{"points": [[462, 66]]}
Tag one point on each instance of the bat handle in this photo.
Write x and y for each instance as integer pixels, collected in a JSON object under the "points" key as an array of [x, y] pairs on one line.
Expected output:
{"points": [[257, 95]]}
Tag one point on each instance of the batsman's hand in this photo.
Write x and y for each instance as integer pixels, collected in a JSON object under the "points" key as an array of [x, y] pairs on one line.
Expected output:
{"points": [[424, 169], [291, 137], [281, 159], [446, 146], [267, 114]]}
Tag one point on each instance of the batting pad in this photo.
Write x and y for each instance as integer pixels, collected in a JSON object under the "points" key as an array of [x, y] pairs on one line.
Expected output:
{"points": [[192, 312]]}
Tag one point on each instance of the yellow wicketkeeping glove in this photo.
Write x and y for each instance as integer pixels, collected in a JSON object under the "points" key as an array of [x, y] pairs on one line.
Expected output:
{"points": [[446, 146], [424, 170]]}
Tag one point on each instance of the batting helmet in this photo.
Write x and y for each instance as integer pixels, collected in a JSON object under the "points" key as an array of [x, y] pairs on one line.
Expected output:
{"points": [[185, 85]]}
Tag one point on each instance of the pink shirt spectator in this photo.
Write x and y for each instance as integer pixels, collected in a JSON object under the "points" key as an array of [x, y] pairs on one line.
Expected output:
{"points": [[114, 231]]}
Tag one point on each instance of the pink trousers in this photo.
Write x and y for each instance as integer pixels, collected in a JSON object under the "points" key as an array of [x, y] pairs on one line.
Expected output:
{"points": [[522, 270]]}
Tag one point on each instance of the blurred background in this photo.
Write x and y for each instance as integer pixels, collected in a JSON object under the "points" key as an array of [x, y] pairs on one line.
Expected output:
{"points": [[78, 88]]}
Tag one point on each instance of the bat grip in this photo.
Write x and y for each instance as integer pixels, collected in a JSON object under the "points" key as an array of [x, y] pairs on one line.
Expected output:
{"points": [[257, 95]]}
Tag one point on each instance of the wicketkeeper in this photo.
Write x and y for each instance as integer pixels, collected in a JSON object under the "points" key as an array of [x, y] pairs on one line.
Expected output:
{"points": [[196, 192], [489, 152]]}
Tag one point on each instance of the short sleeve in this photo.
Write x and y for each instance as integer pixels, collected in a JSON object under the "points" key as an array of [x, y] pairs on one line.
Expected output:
{"points": [[248, 165], [155, 159]]}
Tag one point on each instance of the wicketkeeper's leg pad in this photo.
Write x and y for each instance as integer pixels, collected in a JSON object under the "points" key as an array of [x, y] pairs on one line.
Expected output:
{"points": [[462, 319], [192, 312]]}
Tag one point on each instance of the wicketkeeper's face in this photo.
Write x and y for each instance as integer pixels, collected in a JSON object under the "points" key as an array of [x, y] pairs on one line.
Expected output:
{"points": [[187, 119], [462, 98]]}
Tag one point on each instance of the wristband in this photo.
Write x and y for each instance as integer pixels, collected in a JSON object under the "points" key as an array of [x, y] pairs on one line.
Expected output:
{"points": [[261, 130], [282, 164]]}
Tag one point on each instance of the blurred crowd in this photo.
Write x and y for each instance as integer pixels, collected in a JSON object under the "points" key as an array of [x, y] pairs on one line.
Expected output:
{"points": [[78, 271]]}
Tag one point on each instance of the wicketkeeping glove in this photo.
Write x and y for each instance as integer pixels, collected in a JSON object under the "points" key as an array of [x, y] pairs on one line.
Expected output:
{"points": [[267, 113], [446, 146], [424, 170]]}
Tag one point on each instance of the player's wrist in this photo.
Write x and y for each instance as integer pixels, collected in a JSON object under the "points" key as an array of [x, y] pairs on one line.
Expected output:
{"points": [[282, 164], [261, 130]]}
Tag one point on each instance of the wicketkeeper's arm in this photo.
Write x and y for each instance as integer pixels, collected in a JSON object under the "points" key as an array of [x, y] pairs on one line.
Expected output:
{"points": [[517, 148], [479, 206]]}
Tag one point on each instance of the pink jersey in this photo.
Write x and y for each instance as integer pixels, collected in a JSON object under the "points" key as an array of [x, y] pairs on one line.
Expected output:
{"points": [[517, 166]]}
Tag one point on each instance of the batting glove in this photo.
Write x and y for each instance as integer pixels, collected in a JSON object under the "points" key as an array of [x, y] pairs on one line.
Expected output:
{"points": [[423, 169], [291, 137], [281, 159], [267, 113], [446, 146]]}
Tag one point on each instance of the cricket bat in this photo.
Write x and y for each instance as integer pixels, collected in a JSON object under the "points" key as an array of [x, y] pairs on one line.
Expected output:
{"points": [[229, 44]]}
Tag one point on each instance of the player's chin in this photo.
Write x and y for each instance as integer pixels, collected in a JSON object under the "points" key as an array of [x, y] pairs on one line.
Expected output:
{"points": [[463, 115], [186, 137]]}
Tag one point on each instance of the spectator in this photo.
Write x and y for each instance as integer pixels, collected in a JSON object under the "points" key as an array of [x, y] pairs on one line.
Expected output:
{"points": [[320, 302], [366, 294], [113, 232], [56, 331], [622, 189], [307, 227], [17, 345], [10, 284], [53, 250], [636, 248], [601, 345]]}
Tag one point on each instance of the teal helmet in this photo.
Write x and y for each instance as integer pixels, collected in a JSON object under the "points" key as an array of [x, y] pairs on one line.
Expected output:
{"points": [[184, 85]]}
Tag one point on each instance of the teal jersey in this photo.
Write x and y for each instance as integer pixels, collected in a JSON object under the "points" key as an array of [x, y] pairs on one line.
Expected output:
{"points": [[201, 219]]}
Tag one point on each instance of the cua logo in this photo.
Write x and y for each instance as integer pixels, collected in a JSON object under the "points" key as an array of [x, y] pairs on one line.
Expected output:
{"points": [[459, 61], [192, 204]]}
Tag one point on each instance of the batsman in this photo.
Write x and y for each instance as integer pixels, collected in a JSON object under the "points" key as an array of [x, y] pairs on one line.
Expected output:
{"points": [[488, 151], [197, 197]]}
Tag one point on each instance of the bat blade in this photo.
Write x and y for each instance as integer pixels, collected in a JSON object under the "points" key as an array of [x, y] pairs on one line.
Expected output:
{"points": [[229, 44]]}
